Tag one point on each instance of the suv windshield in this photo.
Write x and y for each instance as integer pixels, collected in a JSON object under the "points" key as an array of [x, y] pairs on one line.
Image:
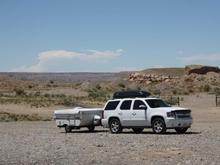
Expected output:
{"points": [[156, 103]]}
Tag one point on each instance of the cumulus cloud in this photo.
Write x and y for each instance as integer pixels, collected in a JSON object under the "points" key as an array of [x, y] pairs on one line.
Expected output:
{"points": [[49, 57], [201, 58], [57, 54], [33, 68]]}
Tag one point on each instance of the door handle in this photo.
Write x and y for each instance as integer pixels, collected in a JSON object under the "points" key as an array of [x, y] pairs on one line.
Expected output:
{"points": [[120, 113], [133, 113]]}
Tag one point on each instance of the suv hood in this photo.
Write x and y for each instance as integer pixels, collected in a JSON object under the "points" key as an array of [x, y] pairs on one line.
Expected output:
{"points": [[169, 109]]}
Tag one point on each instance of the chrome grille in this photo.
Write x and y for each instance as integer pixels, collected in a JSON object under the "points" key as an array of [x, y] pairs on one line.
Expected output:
{"points": [[183, 114]]}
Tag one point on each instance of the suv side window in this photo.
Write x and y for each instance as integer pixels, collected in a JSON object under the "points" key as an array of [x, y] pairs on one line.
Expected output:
{"points": [[137, 105], [126, 105], [112, 105]]}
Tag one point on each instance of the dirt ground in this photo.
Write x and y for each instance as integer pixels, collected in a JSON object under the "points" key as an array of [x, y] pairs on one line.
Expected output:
{"points": [[27, 109], [44, 143]]}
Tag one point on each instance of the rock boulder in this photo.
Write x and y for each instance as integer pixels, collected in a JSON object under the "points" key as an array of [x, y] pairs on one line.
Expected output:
{"points": [[200, 69]]}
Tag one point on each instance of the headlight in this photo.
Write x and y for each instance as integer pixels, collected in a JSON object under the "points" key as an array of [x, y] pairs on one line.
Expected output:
{"points": [[171, 114]]}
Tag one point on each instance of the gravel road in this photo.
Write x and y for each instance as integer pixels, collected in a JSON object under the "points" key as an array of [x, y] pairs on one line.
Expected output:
{"points": [[44, 143]]}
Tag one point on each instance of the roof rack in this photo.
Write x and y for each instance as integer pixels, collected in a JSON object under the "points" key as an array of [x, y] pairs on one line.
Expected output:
{"points": [[131, 94]]}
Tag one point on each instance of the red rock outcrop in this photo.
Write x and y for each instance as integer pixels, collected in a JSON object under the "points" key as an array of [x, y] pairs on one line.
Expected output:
{"points": [[200, 69]]}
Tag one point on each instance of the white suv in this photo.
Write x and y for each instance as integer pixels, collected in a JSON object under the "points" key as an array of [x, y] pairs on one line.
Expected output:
{"points": [[140, 113]]}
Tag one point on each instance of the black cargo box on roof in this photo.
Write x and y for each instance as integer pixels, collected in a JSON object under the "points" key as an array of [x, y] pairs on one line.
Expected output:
{"points": [[130, 94]]}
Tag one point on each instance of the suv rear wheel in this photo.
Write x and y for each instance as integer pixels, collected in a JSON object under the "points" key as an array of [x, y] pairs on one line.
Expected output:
{"points": [[115, 126], [158, 126]]}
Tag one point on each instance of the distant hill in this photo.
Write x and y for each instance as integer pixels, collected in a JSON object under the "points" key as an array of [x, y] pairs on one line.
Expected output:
{"points": [[165, 71], [64, 77]]}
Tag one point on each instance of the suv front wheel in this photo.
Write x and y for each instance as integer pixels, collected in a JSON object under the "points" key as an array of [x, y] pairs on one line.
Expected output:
{"points": [[158, 126], [115, 126]]}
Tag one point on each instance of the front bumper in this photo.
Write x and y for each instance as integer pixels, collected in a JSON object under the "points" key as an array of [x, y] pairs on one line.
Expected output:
{"points": [[178, 122]]}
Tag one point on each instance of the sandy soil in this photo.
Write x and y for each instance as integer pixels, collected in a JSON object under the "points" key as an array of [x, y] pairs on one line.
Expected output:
{"points": [[44, 143], [27, 109], [203, 107]]}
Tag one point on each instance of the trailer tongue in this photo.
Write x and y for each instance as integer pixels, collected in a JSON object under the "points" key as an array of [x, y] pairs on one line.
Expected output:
{"points": [[78, 117]]}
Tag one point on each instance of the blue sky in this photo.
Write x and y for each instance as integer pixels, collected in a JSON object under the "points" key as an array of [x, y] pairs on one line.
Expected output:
{"points": [[107, 35]]}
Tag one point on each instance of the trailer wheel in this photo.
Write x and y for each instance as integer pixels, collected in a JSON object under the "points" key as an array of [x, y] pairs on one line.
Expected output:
{"points": [[91, 128], [68, 129]]}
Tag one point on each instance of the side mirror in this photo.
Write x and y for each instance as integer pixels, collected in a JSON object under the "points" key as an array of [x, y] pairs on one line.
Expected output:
{"points": [[144, 107]]}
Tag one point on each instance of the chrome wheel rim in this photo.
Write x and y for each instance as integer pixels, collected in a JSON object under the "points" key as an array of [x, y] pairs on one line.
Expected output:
{"points": [[115, 126], [158, 126]]}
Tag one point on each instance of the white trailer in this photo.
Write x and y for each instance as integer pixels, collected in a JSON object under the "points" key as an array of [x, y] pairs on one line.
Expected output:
{"points": [[78, 117]]}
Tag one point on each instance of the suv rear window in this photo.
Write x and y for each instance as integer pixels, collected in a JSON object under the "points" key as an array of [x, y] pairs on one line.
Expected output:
{"points": [[112, 105], [126, 105], [156, 103]]}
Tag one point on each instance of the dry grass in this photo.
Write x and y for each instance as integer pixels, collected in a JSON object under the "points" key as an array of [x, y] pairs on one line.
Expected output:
{"points": [[7, 117]]}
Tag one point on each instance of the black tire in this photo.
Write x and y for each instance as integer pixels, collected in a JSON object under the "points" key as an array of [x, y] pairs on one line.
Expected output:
{"points": [[91, 128], [158, 126], [138, 130], [181, 130], [68, 129], [115, 126]]}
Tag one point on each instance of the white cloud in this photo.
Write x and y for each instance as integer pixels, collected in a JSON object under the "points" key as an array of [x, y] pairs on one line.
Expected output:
{"points": [[34, 68], [48, 57], [100, 55], [57, 54], [201, 58]]}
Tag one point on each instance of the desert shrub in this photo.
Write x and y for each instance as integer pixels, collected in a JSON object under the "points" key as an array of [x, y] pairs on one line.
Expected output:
{"points": [[19, 92], [78, 84], [61, 95], [99, 95], [206, 88], [172, 100], [98, 87], [46, 95], [68, 101], [186, 93], [174, 91], [191, 90], [216, 91], [37, 93], [156, 92], [178, 91], [51, 82], [30, 86], [121, 85]]}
